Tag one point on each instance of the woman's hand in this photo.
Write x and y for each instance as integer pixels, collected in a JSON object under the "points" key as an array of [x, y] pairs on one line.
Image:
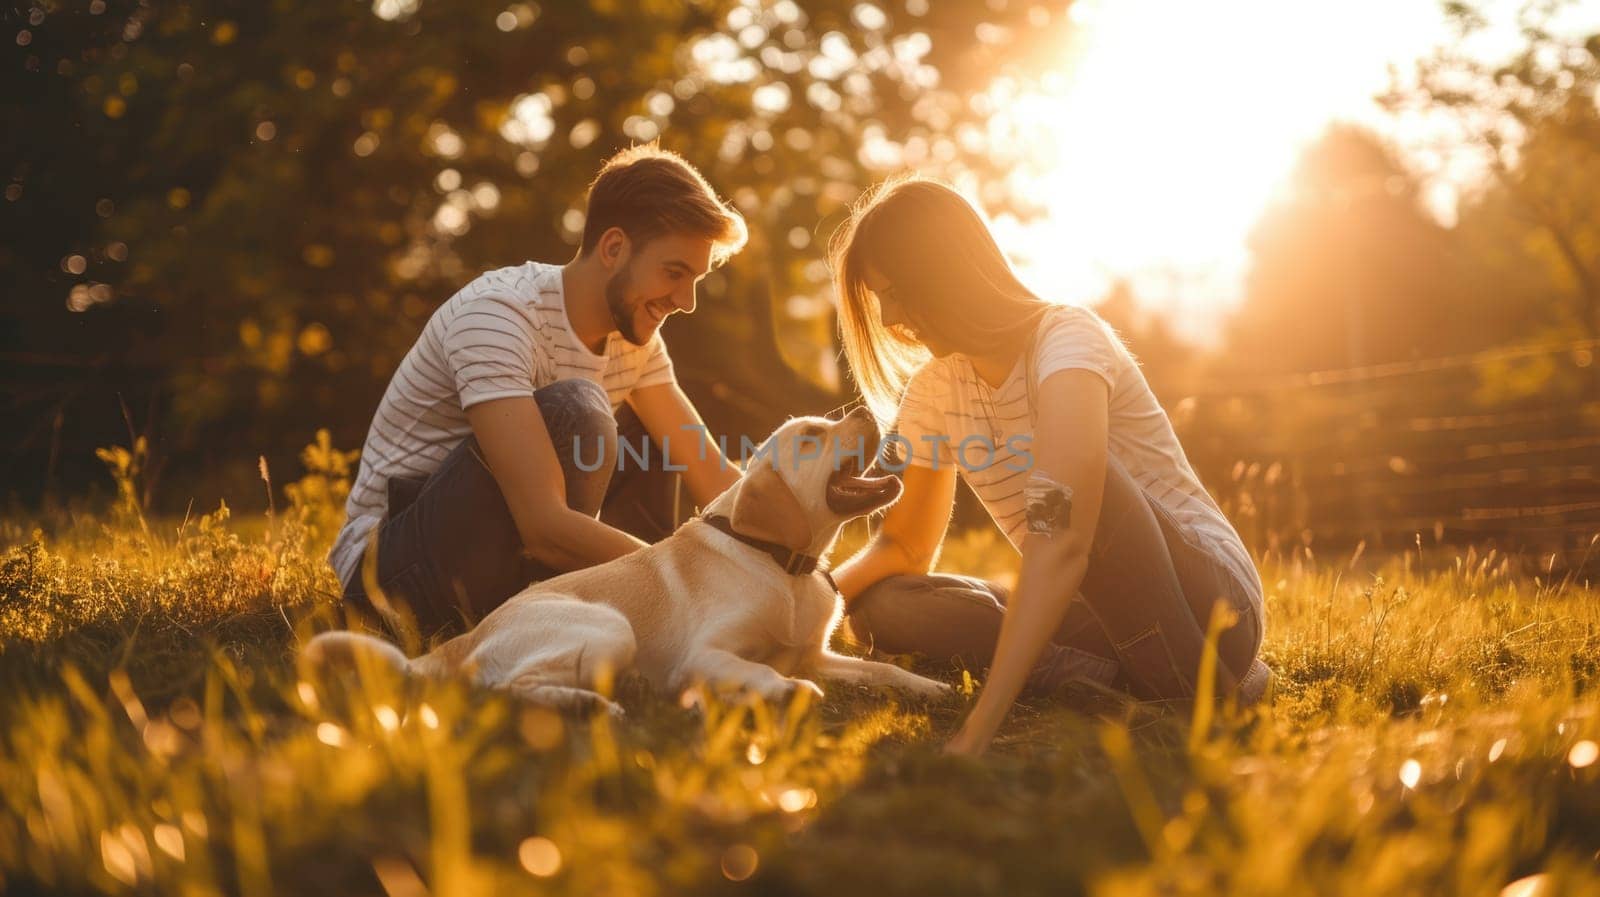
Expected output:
{"points": [[1068, 475], [965, 745], [1052, 568]]}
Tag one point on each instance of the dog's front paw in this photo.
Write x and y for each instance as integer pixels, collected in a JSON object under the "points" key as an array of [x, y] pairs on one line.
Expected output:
{"points": [[589, 705], [808, 686], [929, 688], [787, 690], [599, 707]]}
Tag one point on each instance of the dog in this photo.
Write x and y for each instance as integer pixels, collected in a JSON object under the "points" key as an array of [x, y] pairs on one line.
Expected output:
{"points": [[733, 600]]}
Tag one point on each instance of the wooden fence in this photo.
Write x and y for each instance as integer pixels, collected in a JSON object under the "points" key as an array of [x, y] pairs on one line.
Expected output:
{"points": [[1411, 455]]}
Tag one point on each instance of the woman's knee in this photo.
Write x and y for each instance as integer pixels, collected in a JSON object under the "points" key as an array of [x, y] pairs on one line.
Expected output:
{"points": [[918, 588], [939, 615], [1121, 501], [879, 600]]}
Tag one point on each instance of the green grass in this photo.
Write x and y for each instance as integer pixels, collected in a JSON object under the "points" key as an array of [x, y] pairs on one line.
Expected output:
{"points": [[1428, 735]]}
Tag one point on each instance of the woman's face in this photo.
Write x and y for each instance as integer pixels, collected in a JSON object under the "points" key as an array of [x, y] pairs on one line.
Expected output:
{"points": [[893, 313]]}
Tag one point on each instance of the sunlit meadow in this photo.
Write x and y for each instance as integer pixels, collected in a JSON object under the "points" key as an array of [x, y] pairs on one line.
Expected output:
{"points": [[1433, 730]]}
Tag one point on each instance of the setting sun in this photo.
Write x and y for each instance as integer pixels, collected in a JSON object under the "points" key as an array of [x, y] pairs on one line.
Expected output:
{"points": [[1164, 130]]}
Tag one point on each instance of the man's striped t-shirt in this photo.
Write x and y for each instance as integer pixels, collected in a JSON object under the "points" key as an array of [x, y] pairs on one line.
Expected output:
{"points": [[504, 334]]}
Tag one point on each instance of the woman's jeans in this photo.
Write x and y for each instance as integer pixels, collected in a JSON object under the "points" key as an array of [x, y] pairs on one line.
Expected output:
{"points": [[449, 551], [1138, 621]]}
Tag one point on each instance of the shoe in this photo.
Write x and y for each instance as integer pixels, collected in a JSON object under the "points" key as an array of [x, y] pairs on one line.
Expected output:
{"points": [[1062, 665], [1255, 685]]}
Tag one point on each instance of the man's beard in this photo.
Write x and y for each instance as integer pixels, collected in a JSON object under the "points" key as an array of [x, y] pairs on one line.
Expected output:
{"points": [[617, 302]]}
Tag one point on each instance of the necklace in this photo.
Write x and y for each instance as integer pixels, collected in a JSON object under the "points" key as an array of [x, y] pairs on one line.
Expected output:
{"points": [[986, 406]]}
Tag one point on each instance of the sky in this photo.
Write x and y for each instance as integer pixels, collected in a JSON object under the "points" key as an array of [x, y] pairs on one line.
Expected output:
{"points": [[1168, 126]]}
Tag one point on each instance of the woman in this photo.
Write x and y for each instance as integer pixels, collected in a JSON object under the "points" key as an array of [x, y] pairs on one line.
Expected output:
{"points": [[1047, 416]]}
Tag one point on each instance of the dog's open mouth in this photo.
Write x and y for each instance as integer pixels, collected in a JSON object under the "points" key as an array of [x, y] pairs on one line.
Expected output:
{"points": [[852, 490]]}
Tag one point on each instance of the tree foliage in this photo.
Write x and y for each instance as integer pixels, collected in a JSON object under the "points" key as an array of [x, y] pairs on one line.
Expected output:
{"points": [[1531, 232], [1348, 269], [237, 216]]}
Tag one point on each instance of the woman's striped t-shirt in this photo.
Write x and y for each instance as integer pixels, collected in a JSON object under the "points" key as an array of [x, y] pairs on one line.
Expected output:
{"points": [[504, 334], [950, 417]]}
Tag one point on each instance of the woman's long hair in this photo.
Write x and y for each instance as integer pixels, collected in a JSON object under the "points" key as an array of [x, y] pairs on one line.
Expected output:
{"points": [[948, 273]]}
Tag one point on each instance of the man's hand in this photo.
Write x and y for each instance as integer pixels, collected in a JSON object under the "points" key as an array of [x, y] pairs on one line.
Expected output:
{"points": [[669, 416], [517, 449]]}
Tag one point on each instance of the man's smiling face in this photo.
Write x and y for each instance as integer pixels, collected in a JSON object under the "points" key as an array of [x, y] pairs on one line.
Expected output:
{"points": [[656, 280]]}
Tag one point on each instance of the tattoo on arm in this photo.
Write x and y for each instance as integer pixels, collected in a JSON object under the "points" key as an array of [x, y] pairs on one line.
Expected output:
{"points": [[1049, 505]]}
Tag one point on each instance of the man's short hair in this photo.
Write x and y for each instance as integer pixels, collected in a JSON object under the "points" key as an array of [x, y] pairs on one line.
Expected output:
{"points": [[651, 192]]}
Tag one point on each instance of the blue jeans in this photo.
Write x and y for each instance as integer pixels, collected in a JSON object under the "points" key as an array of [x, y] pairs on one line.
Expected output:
{"points": [[1137, 622], [448, 548]]}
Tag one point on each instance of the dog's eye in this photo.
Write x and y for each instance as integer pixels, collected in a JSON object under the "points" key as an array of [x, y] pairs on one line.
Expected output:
{"points": [[812, 430]]}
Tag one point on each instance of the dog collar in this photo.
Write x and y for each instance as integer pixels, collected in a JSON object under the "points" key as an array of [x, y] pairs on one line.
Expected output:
{"points": [[793, 562]]}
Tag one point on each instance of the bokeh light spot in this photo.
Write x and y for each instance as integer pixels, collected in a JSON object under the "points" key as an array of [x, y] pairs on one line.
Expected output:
{"points": [[1410, 773], [540, 856], [739, 862], [1583, 754]]}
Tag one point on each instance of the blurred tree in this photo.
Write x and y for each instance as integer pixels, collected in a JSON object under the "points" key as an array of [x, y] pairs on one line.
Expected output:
{"points": [[1532, 124], [1348, 270], [236, 216]]}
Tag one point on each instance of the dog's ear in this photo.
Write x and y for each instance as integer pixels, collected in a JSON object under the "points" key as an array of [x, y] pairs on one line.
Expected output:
{"points": [[767, 508]]}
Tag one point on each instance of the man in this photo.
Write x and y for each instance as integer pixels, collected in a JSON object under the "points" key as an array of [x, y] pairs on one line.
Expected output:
{"points": [[490, 455]]}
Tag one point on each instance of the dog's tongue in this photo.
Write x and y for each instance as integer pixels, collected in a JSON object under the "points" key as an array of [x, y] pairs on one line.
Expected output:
{"points": [[850, 492]]}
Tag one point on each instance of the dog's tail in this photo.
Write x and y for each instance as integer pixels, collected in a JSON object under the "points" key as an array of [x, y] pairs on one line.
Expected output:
{"points": [[335, 653]]}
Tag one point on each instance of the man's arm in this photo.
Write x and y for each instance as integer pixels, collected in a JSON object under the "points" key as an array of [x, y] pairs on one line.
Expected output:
{"points": [[669, 416], [517, 447]]}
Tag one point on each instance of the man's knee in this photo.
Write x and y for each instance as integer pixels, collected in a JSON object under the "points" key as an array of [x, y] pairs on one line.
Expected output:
{"points": [[577, 414], [577, 408]]}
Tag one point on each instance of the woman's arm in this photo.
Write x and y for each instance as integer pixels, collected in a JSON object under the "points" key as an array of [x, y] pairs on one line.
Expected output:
{"points": [[1069, 459], [908, 541]]}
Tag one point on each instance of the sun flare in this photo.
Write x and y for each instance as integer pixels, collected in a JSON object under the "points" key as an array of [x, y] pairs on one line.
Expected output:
{"points": [[1162, 131]]}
